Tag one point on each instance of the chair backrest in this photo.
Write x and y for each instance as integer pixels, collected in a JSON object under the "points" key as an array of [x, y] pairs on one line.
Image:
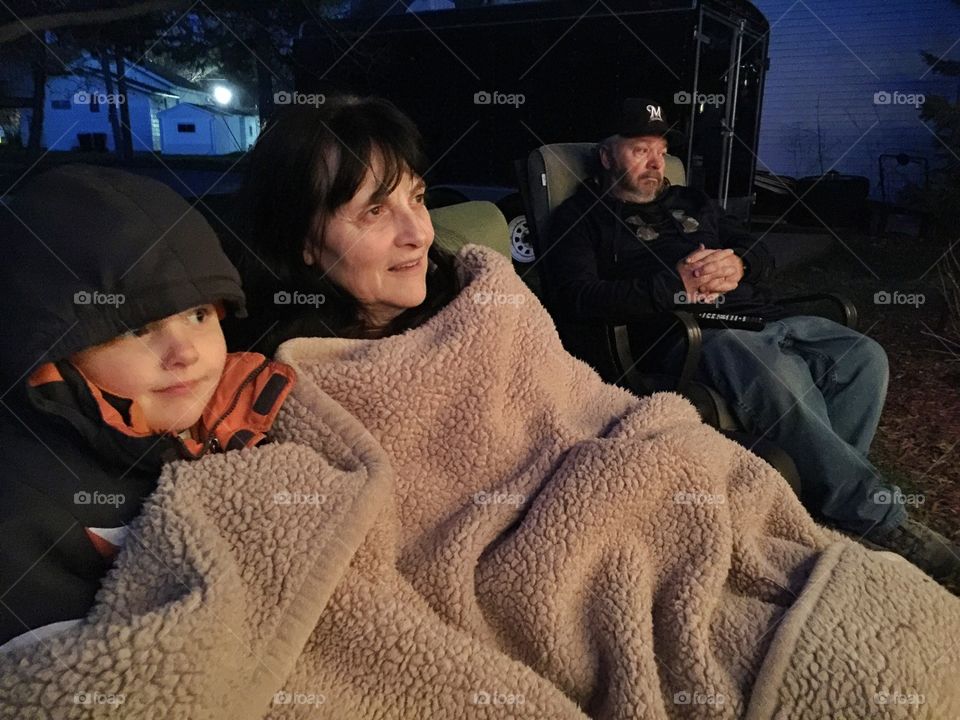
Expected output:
{"points": [[551, 174], [554, 172], [477, 222]]}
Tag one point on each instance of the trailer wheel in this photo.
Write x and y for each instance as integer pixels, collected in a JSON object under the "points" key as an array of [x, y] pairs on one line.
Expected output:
{"points": [[521, 248]]}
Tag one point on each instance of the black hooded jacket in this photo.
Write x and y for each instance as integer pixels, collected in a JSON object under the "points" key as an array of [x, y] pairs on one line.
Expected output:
{"points": [[89, 253]]}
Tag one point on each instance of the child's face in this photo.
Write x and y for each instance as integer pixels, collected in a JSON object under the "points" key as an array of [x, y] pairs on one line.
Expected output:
{"points": [[169, 368]]}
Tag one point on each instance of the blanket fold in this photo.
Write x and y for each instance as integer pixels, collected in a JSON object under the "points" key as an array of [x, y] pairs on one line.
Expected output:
{"points": [[463, 521]]}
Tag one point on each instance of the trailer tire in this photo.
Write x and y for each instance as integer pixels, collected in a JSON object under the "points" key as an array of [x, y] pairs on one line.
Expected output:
{"points": [[521, 247]]}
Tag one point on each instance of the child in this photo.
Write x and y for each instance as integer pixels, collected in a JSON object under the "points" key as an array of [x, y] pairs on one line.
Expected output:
{"points": [[113, 363]]}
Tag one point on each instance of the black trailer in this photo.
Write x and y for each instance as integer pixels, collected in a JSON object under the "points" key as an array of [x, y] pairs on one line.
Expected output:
{"points": [[488, 84]]}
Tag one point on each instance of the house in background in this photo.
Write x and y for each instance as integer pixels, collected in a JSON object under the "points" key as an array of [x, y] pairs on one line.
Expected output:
{"points": [[76, 112], [844, 84], [190, 129]]}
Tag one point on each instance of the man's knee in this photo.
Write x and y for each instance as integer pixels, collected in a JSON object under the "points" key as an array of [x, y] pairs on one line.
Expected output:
{"points": [[872, 358]]}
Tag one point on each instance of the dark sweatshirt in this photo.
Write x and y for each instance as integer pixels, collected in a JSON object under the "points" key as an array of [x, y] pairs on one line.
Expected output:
{"points": [[602, 261]]}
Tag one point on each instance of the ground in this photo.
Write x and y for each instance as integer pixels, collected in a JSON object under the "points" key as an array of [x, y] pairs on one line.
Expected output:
{"points": [[918, 442]]}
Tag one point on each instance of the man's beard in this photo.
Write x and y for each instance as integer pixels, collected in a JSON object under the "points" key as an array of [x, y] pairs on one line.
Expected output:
{"points": [[640, 192]]}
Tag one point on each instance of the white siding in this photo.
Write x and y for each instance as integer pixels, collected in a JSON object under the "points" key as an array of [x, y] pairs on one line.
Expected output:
{"points": [[828, 58], [199, 142]]}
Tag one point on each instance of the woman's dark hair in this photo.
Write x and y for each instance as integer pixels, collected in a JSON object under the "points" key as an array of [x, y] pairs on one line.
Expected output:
{"points": [[309, 161]]}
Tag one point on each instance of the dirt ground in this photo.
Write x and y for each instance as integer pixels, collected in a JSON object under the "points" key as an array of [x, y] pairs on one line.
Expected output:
{"points": [[918, 442]]}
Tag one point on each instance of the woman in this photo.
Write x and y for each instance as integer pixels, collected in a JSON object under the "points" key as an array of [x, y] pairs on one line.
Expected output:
{"points": [[345, 229], [552, 546]]}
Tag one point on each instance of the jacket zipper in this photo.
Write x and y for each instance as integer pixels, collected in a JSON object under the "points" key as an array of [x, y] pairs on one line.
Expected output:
{"points": [[211, 442]]}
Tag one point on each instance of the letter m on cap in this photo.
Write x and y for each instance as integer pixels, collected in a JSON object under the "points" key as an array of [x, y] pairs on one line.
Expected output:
{"points": [[654, 111]]}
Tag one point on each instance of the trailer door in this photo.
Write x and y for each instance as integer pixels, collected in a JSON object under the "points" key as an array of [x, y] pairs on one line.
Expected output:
{"points": [[725, 109]]}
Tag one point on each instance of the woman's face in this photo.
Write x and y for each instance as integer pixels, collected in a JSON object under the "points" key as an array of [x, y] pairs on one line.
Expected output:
{"points": [[375, 247]]}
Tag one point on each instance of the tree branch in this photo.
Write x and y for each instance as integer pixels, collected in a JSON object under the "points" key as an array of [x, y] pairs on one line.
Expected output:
{"points": [[19, 28]]}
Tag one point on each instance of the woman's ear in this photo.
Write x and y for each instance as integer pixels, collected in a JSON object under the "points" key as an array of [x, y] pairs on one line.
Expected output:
{"points": [[308, 258]]}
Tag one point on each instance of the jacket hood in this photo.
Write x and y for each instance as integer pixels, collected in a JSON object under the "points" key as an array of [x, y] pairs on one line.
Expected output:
{"points": [[94, 252]]}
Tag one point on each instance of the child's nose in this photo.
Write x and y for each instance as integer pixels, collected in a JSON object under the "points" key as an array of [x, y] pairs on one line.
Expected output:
{"points": [[179, 349]]}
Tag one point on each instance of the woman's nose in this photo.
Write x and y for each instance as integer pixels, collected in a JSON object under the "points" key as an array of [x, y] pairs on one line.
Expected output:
{"points": [[414, 228]]}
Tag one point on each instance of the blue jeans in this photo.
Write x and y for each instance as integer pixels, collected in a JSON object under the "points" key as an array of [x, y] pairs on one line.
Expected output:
{"points": [[816, 389]]}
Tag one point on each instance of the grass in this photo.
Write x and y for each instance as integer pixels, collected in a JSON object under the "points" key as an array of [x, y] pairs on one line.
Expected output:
{"points": [[917, 445]]}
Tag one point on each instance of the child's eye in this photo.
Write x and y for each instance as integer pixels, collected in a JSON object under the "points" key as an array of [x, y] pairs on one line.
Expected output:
{"points": [[198, 314]]}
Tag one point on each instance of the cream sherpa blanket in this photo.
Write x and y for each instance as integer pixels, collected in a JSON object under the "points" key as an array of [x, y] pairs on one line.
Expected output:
{"points": [[464, 522]]}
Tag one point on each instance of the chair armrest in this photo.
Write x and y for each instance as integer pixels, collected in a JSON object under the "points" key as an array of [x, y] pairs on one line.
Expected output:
{"points": [[629, 342], [851, 318]]}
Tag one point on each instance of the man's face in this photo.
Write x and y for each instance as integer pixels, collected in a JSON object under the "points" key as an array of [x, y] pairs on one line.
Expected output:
{"points": [[634, 166]]}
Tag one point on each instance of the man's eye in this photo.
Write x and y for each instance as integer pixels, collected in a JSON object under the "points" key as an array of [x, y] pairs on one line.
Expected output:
{"points": [[420, 198], [375, 211]]}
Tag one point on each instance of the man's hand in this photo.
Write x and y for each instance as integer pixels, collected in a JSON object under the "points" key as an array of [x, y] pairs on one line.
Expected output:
{"points": [[710, 272]]}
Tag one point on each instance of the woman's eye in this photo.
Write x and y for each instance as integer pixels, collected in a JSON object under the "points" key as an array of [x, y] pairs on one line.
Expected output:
{"points": [[375, 211], [420, 198]]}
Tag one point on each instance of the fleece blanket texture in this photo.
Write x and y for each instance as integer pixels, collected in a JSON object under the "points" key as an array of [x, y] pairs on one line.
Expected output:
{"points": [[463, 521]]}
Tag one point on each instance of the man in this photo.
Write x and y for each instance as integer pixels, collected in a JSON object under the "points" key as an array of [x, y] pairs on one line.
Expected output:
{"points": [[629, 243]]}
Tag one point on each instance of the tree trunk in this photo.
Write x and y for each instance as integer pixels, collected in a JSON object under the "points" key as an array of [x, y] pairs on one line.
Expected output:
{"points": [[126, 135], [38, 66], [111, 106], [264, 76]]}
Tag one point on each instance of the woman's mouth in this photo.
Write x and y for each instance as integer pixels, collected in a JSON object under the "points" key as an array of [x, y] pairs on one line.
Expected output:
{"points": [[407, 266]]}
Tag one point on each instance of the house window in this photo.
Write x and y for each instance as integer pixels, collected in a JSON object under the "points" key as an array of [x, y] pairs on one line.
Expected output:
{"points": [[186, 127], [60, 104], [95, 102], [250, 130]]}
